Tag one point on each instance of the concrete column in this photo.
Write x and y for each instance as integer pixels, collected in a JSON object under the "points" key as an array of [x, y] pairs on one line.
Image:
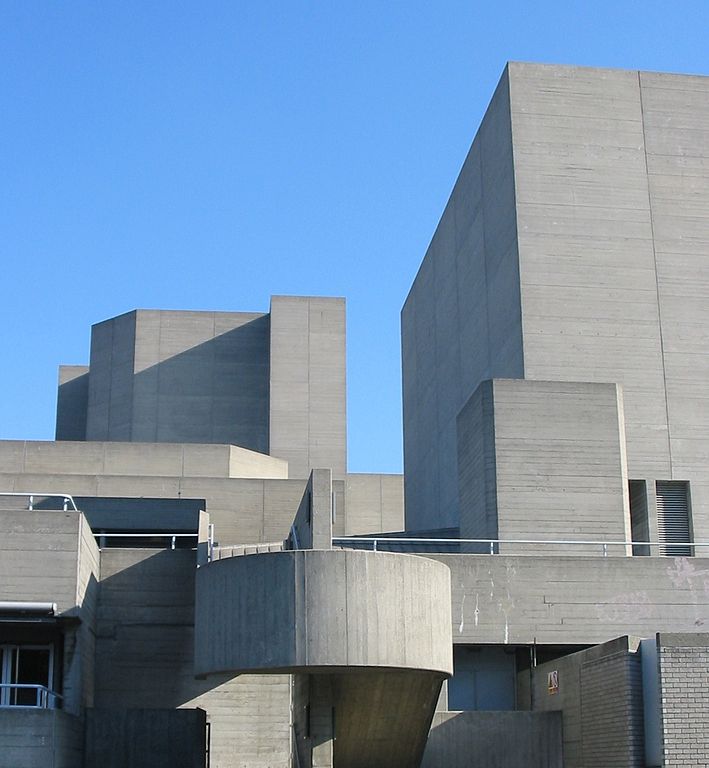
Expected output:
{"points": [[652, 527], [322, 720]]}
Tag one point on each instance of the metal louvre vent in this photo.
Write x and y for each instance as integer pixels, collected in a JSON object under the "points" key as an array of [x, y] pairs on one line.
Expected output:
{"points": [[673, 518]]}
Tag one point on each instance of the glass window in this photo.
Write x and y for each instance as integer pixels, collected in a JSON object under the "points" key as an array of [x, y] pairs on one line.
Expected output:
{"points": [[22, 669]]}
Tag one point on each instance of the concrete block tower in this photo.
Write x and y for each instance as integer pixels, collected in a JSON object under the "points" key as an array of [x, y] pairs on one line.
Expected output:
{"points": [[272, 382], [573, 249]]}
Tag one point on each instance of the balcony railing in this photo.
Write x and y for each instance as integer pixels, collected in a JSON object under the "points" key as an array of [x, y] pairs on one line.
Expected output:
{"points": [[43, 698], [492, 546], [168, 540], [66, 500]]}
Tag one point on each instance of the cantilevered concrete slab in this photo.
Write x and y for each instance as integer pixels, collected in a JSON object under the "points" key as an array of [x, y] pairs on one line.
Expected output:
{"points": [[319, 610]]}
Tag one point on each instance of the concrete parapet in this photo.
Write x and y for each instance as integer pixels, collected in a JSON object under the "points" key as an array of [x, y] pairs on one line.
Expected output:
{"points": [[40, 738], [140, 459], [574, 600], [494, 740], [322, 610], [47, 557], [146, 738]]}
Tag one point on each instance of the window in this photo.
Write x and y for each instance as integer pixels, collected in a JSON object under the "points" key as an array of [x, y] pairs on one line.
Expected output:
{"points": [[26, 674], [638, 516]]}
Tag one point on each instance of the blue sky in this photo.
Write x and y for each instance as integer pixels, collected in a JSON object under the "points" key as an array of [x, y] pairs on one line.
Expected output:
{"points": [[205, 155]]}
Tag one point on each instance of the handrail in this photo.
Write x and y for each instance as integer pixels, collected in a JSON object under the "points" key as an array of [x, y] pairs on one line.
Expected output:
{"points": [[67, 497], [145, 535], [42, 698], [377, 541]]}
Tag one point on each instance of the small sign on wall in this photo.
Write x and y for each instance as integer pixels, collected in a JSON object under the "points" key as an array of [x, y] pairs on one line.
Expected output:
{"points": [[553, 682]]}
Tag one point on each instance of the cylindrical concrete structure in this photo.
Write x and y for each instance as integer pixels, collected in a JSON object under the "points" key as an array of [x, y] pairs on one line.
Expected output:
{"points": [[332, 610]]}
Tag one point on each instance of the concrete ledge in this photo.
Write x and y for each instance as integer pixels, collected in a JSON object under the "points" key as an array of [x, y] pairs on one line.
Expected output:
{"points": [[314, 610], [38, 457]]}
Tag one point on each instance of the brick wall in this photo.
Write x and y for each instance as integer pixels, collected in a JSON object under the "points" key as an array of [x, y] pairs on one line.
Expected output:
{"points": [[600, 698], [612, 712], [684, 675]]}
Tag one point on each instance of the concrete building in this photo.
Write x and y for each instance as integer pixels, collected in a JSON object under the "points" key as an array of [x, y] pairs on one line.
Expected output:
{"points": [[189, 575]]}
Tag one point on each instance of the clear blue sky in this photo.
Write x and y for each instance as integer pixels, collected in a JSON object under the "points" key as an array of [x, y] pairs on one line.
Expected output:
{"points": [[205, 155]]}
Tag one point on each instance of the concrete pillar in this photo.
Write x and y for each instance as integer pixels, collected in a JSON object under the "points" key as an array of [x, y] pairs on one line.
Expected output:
{"points": [[652, 527], [322, 720]]}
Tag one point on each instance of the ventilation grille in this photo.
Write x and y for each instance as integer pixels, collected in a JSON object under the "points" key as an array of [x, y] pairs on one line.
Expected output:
{"points": [[673, 518]]}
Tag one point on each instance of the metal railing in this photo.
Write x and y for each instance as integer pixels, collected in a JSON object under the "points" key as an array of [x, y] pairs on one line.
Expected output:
{"points": [[210, 543], [44, 697], [492, 546], [67, 498], [171, 537]]}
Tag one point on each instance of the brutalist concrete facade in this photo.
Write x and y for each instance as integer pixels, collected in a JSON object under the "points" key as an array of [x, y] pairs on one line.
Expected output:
{"points": [[270, 382], [176, 584], [573, 249]]}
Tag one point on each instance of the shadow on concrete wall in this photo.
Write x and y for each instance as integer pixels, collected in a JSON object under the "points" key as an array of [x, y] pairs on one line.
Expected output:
{"points": [[145, 631], [214, 392], [495, 740]]}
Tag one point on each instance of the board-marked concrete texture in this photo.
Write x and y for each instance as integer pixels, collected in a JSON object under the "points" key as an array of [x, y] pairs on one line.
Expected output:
{"points": [[544, 460], [600, 223], [287, 611], [562, 600], [307, 406]]}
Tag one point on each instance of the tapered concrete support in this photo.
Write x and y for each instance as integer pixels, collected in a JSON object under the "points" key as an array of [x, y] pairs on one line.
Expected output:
{"points": [[367, 634], [375, 717]]}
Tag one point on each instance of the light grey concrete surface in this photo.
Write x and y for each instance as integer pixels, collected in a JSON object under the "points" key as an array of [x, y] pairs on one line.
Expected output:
{"points": [[244, 511], [72, 402], [600, 231], [272, 383], [307, 407], [312, 526], [494, 740], [461, 322], [146, 738], [45, 738], [544, 460], [37, 457], [245, 463], [600, 699], [45, 558], [587, 263], [145, 658], [52, 557], [677, 150], [289, 611], [372, 504], [503, 599]]}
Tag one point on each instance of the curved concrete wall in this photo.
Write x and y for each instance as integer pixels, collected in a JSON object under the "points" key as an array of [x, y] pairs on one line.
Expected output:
{"points": [[326, 610]]}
